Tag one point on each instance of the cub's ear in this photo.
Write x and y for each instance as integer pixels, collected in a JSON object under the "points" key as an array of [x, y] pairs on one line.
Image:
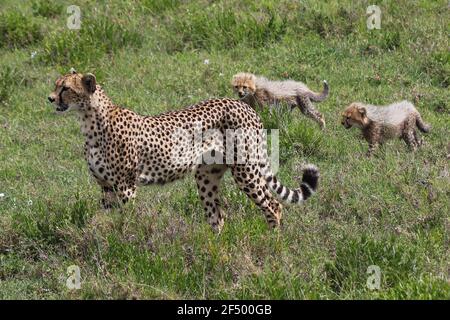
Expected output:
{"points": [[73, 71], [89, 82], [362, 111], [234, 79]]}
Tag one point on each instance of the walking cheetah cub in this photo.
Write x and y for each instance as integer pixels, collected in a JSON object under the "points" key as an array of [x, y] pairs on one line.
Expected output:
{"points": [[258, 91], [378, 124]]}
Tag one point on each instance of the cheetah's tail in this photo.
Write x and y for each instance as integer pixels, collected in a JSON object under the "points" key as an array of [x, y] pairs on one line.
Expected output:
{"points": [[422, 125], [318, 97], [308, 186]]}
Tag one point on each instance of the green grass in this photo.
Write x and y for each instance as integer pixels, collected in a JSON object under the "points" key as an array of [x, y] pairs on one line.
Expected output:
{"points": [[391, 210]]}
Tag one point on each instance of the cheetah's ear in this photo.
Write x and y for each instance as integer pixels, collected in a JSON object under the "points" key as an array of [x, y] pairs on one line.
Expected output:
{"points": [[362, 111], [89, 82]]}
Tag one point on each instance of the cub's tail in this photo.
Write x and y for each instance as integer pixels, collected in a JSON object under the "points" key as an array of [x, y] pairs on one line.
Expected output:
{"points": [[422, 125], [318, 97], [308, 186]]}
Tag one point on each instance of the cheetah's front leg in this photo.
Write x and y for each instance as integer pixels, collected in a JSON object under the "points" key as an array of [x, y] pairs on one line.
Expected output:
{"points": [[125, 193], [410, 139], [113, 197], [108, 198], [374, 138], [419, 141], [372, 147]]}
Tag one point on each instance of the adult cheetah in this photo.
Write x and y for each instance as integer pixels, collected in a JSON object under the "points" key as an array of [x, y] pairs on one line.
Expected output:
{"points": [[125, 150]]}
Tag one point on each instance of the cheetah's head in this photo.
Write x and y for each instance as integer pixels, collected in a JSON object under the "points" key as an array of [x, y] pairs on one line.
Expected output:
{"points": [[244, 84], [355, 115], [72, 91]]}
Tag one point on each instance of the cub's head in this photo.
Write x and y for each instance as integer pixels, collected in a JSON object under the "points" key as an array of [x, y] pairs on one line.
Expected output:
{"points": [[244, 84], [355, 115], [72, 91]]}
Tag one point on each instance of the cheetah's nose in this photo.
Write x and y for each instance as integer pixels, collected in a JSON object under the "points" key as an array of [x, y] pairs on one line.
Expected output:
{"points": [[51, 99]]}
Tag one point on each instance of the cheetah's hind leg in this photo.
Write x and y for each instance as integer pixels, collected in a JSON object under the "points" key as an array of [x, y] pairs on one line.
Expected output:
{"points": [[250, 180], [208, 180], [409, 134], [307, 108]]}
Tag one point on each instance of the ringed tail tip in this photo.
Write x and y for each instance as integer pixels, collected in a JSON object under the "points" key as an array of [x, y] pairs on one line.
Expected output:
{"points": [[310, 176]]}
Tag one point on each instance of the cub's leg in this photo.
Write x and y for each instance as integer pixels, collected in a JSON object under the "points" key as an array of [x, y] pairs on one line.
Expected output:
{"points": [[307, 108], [250, 180], [410, 139], [373, 137], [208, 180], [372, 147], [409, 135], [419, 141]]}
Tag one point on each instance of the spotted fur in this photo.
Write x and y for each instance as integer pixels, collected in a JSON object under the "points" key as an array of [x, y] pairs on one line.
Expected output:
{"points": [[259, 91], [378, 124], [125, 150]]}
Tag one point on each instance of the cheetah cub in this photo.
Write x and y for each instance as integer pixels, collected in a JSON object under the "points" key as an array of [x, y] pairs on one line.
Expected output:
{"points": [[378, 124], [258, 91]]}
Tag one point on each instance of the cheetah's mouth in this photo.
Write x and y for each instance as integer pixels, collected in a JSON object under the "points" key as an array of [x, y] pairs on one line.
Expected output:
{"points": [[62, 107], [243, 95], [346, 124]]}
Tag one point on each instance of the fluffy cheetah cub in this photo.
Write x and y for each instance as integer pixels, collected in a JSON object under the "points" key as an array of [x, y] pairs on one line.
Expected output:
{"points": [[258, 91], [378, 124]]}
